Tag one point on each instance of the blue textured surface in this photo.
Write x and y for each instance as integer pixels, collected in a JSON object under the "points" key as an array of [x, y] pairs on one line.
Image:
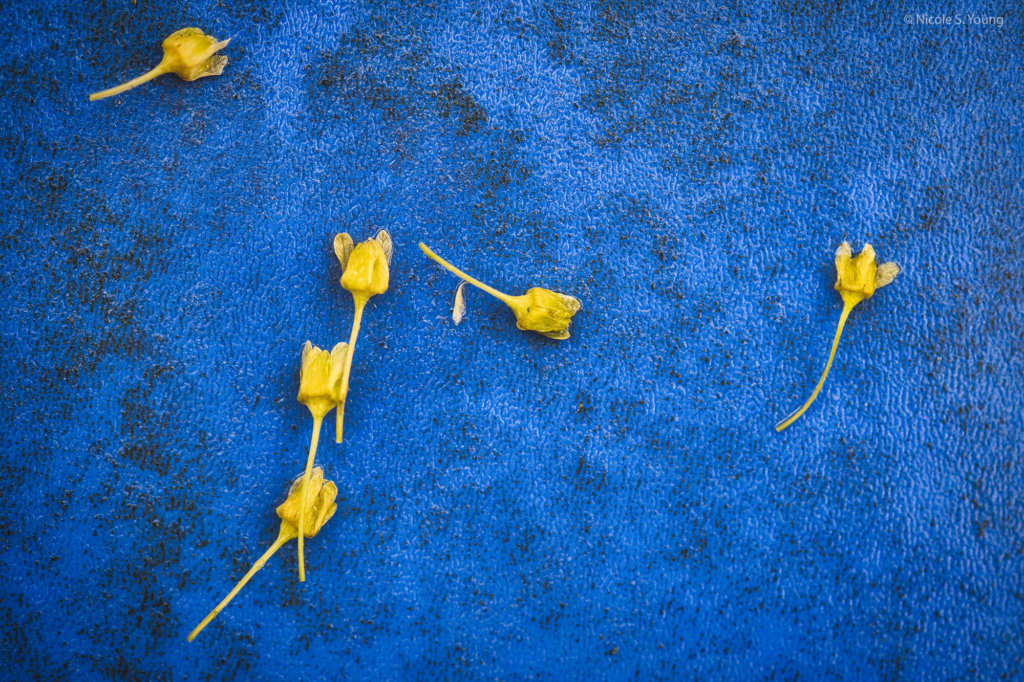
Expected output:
{"points": [[613, 506]]}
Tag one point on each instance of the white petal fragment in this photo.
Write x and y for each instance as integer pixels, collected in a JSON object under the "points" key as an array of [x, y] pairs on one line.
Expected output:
{"points": [[459, 307]]}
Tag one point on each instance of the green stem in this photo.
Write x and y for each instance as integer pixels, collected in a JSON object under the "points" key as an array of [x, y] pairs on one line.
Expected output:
{"points": [[504, 298], [281, 539], [357, 321], [847, 307], [159, 70], [317, 421]]}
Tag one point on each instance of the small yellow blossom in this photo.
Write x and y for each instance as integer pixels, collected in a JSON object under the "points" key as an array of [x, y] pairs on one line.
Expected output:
{"points": [[365, 266], [319, 390], [365, 272], [189, 53], [320, 378], [858, 276], [539, 310], [546, 312], [857, 279], [320, 506]]}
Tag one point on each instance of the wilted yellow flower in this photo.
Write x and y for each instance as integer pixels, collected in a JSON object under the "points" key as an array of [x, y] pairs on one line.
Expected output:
{"points": [[320, 378], [319, 504], [365, 266], [539, 310], [319, 390], [546, 312], [189, 53], [319, 508], [857, 278], [365, 272]]}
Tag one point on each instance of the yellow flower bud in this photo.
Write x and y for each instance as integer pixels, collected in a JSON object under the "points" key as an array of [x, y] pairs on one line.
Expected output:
{"points": [[538, 310], [320, 378], [857, 279], [365, 271], [545, 312], [365, 266], [318, 509], [320, 381], [189, 53]]}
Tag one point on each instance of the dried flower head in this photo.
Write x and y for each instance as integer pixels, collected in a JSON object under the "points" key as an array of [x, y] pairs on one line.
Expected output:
{"points": [[546, 312], [539, 310], [319, 504], [365, 266], [319, 507], [857, 279], [320, 378], [365, 272], [319, 390], [189, 53]]}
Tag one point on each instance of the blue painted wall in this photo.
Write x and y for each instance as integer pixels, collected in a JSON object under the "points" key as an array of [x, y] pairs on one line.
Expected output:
{"points": [[613, 506]]}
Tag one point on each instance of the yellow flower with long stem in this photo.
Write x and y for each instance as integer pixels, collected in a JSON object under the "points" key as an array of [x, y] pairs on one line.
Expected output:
{"points": [[857, 279], [365, 273], [189, 53], [319, 390], [540, 310], [298, 511]]}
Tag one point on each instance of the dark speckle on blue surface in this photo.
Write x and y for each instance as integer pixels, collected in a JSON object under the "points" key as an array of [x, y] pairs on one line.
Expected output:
{"points": [[612, 506]]}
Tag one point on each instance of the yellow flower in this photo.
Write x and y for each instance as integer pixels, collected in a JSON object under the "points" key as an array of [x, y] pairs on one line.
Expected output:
{"points": [[365, 272], [319, 390], [365, 266], [857, 279], [320, 378], [539, 310], [189, 53], [545, 311], [319, 508]]}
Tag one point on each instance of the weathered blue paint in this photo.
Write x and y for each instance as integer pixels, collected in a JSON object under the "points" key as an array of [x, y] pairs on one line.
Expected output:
{"points": [[613, 506]]}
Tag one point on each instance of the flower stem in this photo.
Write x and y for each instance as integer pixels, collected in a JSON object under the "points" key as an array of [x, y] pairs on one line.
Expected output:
{"points": [[317, 421], [847, 307], [158, 70], [282, 538], [504, 298], [357, 321]]}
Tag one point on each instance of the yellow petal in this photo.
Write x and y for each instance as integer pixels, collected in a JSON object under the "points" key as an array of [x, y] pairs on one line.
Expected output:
{"points": [[843, 254], [325, 506], [307, 352], [338, 355]]}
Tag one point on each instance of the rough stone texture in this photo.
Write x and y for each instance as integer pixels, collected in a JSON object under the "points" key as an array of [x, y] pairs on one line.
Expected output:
{"points": [[614, 506]]}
